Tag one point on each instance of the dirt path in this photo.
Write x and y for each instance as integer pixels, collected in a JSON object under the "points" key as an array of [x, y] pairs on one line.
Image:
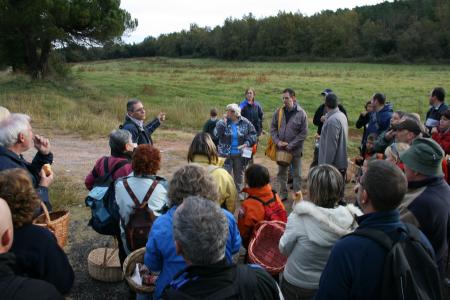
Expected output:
{"points": [[74, 157]]}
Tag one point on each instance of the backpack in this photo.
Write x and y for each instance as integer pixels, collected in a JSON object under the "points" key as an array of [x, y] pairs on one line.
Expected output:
{"points": [[141, 219], [102, 201], [410, 271], [272, 212], [243, 287]]}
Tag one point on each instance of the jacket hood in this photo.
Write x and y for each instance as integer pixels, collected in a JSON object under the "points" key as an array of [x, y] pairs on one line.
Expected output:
{"points": [[324, 226], [387, 108], [264, 193]]}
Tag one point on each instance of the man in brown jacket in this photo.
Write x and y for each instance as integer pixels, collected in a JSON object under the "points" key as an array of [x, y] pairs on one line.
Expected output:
{"points": [[289, 137]]}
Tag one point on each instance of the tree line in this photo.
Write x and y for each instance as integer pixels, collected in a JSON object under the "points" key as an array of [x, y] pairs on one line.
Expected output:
{"points": [[399, 31]]}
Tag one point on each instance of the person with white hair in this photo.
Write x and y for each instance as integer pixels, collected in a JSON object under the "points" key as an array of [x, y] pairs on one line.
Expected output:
{"points": [[16, 137], [13, 286], [200, 226], [4, 113], [235, 133]]}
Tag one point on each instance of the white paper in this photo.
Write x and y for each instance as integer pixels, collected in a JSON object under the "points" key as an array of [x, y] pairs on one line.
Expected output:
{"points": [[136, 276], [247, 152]]}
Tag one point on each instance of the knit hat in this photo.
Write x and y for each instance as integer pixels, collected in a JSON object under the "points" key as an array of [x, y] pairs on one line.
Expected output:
{"points": [[234, 107], [424, 156]]}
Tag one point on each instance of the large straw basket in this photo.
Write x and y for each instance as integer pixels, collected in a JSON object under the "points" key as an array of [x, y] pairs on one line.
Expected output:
{"points": [[129, 265], [104, 265], [57, 222], [263, 247], [284, 158]]}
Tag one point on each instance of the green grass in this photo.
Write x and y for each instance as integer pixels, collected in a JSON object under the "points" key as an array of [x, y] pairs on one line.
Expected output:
{"points": [[92, 101]]}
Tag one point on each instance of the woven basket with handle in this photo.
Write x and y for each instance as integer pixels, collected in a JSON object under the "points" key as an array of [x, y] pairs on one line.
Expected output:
{"points": [[129, 265], [263, 247], [104, 265], [57, 222]]}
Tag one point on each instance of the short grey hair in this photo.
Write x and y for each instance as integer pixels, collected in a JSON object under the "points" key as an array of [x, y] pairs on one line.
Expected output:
{"points": [[192, 180], [118, 139], [11, 127], [131, 103], [201, 228], [325, 186]]}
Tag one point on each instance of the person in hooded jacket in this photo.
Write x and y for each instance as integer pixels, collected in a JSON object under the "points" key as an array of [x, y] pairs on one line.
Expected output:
{"points": [[380, 118], [312, 229], [260, 196]]}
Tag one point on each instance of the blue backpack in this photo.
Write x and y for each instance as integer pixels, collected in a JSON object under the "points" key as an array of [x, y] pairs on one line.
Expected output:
{"points": [[102, 201]]}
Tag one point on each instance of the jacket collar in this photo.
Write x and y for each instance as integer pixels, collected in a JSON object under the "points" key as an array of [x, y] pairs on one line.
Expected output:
{"points": [[7, 263], [135, 121], [265, 192], [379, 219], [428, 181], [6, 152]]}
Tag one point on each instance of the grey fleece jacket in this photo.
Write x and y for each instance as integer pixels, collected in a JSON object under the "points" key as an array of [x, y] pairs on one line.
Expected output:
{"points": [[294, 132], [333, 140]]}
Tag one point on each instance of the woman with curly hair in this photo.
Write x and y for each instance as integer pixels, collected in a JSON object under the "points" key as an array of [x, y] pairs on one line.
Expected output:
{"points": [[161, 254], [143, 185], [203, 152], [37, 252]]}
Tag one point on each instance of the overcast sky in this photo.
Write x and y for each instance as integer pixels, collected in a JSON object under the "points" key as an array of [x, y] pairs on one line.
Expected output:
{"points": [[165, 16]]}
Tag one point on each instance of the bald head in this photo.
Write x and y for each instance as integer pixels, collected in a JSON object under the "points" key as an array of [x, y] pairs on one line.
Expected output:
{"points": [[6, 227]]}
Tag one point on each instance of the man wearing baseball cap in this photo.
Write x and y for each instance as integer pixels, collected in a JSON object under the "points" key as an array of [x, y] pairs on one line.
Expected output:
{"points": [[427, 201], [407, 130]]}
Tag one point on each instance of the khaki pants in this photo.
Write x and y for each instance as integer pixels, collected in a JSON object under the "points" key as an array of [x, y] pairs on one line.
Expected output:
{"points": [[282, 176]]}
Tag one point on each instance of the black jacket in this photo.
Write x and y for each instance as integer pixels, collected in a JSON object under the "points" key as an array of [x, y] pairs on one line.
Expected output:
{"points": [[320, 112], [198, 282], [10, 160], [209, 127], [254, 113], [13, 287], [39, 256], [141, 136]]}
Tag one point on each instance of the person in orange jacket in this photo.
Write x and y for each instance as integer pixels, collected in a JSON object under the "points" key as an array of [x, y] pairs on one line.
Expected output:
{"points": [[261, 204]]}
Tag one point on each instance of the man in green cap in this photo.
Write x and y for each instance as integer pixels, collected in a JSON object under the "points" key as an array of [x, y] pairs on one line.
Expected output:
{"points": [[427, 201]]}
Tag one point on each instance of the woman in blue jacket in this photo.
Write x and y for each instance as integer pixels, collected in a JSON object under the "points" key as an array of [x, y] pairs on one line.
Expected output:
{"points": [[161, 254]]}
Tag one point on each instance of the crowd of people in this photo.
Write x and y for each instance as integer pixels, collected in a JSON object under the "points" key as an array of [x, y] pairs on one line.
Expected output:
{"points": [[197, 227]]}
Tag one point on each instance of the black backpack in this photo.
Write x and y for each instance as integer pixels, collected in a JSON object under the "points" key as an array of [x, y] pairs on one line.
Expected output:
{"points": [[410, 271], [102, 201], [141, 218], [243, 287]]}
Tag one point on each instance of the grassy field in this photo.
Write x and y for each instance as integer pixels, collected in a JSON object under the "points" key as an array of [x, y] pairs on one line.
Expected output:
{"points": [[91, 101]]}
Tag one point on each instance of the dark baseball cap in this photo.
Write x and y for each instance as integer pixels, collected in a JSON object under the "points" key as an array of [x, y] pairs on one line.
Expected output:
{"points": [[326, 92], [410, 125]]}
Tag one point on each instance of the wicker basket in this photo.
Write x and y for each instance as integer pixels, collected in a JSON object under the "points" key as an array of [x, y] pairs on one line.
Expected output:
{"points": [[129, 265], [263, 247], [284, 158], [57, 222], [104, 265]]}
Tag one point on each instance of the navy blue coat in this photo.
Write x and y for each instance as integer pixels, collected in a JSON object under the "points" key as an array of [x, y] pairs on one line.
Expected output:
{"points": [[10, 160], [141, 136], [355, 267]]}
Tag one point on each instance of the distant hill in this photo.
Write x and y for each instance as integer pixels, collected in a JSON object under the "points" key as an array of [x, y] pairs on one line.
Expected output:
{"points": [[399, 31]]}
